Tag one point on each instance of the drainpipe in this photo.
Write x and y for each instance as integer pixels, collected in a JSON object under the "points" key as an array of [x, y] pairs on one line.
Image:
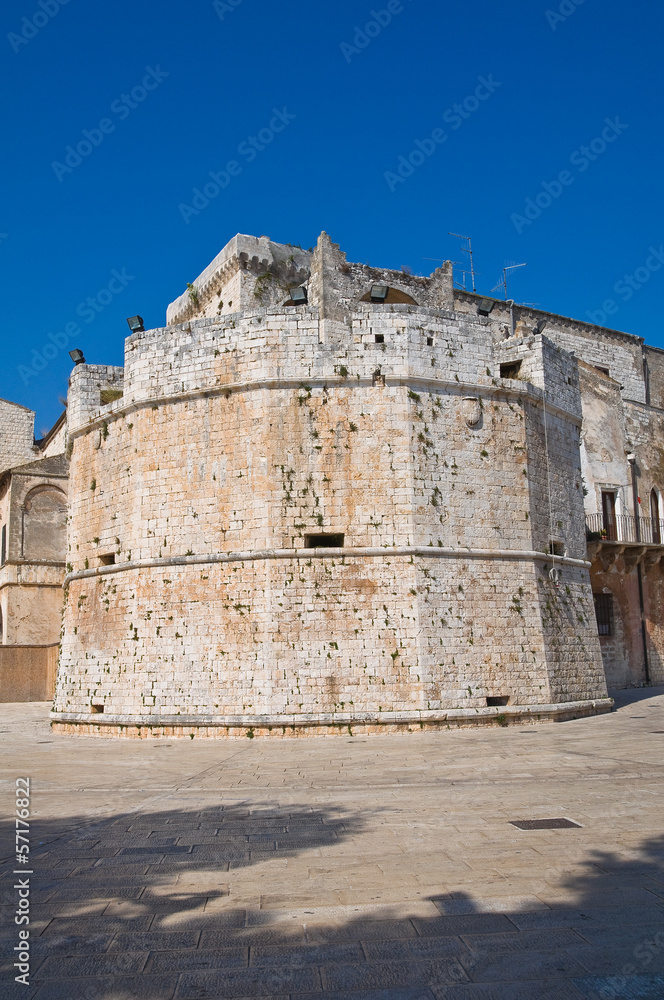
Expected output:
{"points": [[631, 458]]}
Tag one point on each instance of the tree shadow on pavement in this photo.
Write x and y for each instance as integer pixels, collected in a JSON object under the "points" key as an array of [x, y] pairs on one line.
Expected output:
{"points": [[138, 906]]}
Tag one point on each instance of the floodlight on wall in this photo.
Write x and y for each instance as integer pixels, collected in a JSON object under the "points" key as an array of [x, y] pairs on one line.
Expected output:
{"points": [[135, 324], [379, 293], [77, 356], [485, 307], [299, 296]]}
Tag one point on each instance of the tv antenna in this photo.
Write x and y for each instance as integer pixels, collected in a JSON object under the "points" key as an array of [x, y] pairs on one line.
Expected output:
{"points": [[469, 251], [503, 282]]}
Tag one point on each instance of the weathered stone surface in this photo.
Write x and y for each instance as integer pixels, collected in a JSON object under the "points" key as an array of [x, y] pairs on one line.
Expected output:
{"points": [[194, 600]]}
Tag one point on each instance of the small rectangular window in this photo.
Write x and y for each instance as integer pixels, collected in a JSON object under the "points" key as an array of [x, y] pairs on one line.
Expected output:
{"points": [[556, 548], [496, 700], [4, 545], [107, 560], [379, 338], [604, 613], [429, 341], [510, 369], [604, 371], [324, 541]]}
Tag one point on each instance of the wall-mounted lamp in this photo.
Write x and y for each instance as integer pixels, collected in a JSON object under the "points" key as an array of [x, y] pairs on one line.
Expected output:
{"points": [[299, 296], [135, 324], [485, 307], [378, 293], [77, 356]]}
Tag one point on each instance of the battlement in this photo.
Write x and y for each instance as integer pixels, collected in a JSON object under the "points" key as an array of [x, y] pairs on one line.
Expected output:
{"points": [[248, 272], [292, 346], [252, 272]]}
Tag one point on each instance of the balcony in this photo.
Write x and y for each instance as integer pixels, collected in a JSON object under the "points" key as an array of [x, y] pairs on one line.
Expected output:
{"points": [[636, 539], [626, 528]]}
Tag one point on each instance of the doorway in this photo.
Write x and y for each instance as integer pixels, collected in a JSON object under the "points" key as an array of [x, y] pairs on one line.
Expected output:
{"points": [[609, 514], [654, 516]]}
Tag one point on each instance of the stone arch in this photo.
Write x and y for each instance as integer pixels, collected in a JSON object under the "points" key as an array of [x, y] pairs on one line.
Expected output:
{"points": [[44, 534], [394, 296]]}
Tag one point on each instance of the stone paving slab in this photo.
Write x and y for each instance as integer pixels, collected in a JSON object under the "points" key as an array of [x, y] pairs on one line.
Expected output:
{"points": [[535, 990], [634, 988], [378, 868]]}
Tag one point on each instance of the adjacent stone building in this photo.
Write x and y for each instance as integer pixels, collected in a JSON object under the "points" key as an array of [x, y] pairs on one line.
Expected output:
{"points": [[33, 526], [33, 546], [328, 496]]}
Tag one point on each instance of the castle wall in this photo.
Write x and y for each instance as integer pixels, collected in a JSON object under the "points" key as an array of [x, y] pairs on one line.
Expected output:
{"points": [[193, 496], [249, 272], [654, 357], [16, 435], [620, 353], [336, 285], [87, 383]]}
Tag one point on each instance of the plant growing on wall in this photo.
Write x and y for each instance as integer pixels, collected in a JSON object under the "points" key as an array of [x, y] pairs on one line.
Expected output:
{"points": [[109, 396], [262, 286]]}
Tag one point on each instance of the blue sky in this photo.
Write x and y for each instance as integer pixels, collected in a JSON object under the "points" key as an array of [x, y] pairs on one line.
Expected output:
{"points": [[180, 89]]}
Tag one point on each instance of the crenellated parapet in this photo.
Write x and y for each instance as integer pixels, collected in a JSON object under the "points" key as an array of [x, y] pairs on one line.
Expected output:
{"points": [[248, 273]]}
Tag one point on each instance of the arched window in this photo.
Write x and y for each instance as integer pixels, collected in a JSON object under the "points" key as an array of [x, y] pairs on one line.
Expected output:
{"points": [[393, 296], [45, 524], [656, 518]]}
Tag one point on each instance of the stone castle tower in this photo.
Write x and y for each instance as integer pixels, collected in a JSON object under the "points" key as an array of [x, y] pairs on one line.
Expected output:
{"points": [[326, 496]]}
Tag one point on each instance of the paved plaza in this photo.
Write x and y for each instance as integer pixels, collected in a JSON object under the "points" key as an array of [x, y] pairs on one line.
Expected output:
{"points": [[362, 868]]}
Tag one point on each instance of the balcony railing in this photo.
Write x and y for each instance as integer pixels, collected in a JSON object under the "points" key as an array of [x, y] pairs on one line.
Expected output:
{"points": [[625, 528]]}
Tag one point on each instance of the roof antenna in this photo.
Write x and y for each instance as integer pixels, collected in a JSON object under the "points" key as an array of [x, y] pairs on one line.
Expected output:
{"points": [[503, 282], [469, 251]]}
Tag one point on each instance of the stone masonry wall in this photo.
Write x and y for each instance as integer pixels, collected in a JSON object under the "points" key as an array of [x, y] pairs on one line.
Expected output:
{"points": [[654, 357], [16, 435], [247, 434], [620, 353]]}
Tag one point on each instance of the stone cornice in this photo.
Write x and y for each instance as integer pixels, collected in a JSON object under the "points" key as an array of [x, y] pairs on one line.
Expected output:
{"points": [[359, 552]]}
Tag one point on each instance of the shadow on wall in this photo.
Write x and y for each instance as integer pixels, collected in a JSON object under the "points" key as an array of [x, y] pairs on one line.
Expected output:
{"points": [[138, 906], [628, 696]]}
